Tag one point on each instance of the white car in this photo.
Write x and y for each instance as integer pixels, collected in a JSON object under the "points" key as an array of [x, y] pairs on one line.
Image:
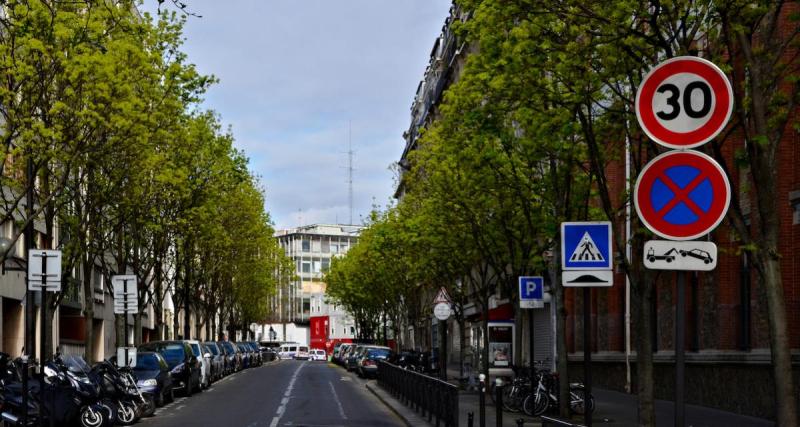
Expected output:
{"points": [[318, 354], [205, 363], [302, 353]]}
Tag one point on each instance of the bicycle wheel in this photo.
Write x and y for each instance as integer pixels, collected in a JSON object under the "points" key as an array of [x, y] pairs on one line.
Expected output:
{"points": [[535, 404], [510, 394], [577, 401]]}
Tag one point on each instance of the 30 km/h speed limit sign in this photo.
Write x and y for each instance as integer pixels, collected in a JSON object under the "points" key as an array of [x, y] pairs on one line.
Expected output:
{"points": [[684, 102]]}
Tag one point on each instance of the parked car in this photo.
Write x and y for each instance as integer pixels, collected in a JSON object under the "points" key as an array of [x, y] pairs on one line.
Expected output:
{"points": [[318, 354], [233, 360], [338, 353], [351, 362], [256, 352], [205, 363], [302, 353], [183, 365], [368, 362], [152, 376], [217, 360], [245, 352]]}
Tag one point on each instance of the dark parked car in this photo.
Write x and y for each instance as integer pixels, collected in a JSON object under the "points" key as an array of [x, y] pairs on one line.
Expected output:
{"points": [[233, 359], [246, 354], [152, 376], [367, 365], [184, 367], [257, 352], [351, 363], [217, 360]]}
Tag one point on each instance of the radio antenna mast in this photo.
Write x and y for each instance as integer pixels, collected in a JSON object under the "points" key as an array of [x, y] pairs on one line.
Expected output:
{"points": [[350, 169]]}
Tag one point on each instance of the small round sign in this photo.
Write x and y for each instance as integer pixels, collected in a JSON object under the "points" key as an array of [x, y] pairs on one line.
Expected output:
{"points": [[684, 102], [682, 195], [441, 311]]}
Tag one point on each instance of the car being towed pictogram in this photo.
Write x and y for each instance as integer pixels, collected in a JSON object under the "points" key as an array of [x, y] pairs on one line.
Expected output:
{"points": [[699, 254]]}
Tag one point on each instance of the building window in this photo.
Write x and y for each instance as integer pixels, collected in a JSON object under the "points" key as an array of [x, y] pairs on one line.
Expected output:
{"points": [[326, 265], [316, 245], [306, 267], [317, 266], [334, 248], [306, 245]]}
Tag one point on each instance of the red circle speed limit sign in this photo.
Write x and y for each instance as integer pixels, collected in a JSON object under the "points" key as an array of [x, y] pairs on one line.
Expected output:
{"points": [[684, 102]]}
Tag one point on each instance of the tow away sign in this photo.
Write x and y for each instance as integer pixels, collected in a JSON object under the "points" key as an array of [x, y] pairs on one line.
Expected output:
{"points": [[686, 255]]}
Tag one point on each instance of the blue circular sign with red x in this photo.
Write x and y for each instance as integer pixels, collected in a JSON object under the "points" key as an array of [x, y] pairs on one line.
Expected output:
{"points": [[682, 195]]}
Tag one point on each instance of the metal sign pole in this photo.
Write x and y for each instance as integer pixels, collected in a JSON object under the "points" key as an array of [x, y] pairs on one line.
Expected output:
{"points": [[587, 356], [43, 337], [680, 329], [532, 372], [125, 314]]}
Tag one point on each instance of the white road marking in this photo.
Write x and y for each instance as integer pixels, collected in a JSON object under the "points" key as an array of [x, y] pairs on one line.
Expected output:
{"points": [[286, 395], [338, 402]]}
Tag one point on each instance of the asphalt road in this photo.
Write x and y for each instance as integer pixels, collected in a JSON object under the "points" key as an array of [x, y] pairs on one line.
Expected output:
{"points": [[284, 393]]}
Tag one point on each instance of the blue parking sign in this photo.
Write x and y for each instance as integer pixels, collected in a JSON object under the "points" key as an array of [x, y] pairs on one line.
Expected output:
{"points": [[531, 292]]}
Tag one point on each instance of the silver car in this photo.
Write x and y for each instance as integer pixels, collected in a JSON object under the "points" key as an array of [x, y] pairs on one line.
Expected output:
{"points": [[205, 363]]}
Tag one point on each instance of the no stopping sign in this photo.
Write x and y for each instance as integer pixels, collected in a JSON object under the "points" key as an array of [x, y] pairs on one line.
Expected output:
{"points": [[684, 102]]}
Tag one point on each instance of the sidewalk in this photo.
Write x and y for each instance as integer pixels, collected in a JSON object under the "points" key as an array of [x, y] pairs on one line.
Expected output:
{"points": [[612, 409]]}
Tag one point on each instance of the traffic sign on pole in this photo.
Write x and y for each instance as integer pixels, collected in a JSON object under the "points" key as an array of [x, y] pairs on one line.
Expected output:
{"points": [[682, 195], [684, 102], [531, 292], [44, 270], [671, 255]]}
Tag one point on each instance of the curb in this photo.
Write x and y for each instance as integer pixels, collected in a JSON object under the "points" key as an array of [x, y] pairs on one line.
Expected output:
{"points": [[410, 418]]}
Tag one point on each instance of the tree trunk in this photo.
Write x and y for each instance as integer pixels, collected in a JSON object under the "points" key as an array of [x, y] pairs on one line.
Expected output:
{"points": [[642, 320], [88, 311], [562, 366], [137, 328]]}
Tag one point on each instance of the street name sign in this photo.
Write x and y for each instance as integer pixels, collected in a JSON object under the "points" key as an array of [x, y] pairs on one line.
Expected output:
{"points": [[682, 195], [531, 292], [684, 102], [44, 270], [690, 255], [586, 254]]}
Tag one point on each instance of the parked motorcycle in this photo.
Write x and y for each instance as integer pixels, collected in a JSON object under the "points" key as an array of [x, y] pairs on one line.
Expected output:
{"points": [[118, 391], [69, 398]]}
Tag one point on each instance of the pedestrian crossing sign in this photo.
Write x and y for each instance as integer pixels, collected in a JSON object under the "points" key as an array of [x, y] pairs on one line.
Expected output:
{"points": [[586, 245]]}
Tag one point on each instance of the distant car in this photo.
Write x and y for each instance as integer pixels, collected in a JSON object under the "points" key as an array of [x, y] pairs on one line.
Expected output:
{"points": [[217, 360], [318, 354], [205, 363], [152, 377], [181, 361], [367, 365], [339, 353], [288, 351], [233, 361], [246, 354], [302, 353], [351, 363]]}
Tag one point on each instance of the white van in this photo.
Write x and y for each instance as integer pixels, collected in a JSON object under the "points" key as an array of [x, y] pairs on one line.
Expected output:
{"points": [[288, 351], [302, 353]]}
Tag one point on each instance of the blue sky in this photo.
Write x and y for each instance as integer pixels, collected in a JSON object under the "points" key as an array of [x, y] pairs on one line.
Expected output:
{"points": [[293, 75]]}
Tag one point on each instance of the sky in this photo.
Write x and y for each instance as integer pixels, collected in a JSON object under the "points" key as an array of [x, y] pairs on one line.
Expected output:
{"points": [[301, 78]]}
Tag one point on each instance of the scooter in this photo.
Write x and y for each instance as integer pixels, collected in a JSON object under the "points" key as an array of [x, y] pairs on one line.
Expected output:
{"points": [[115, 393], [69, 397]]}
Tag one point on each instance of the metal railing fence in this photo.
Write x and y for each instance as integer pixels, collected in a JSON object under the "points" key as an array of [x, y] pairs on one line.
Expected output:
{"points": [[431, 397]]}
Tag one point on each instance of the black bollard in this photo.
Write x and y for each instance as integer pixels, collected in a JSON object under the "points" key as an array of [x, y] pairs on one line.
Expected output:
{"points": [[482, 402], [520, 422], [470, 419], [498, 402]]}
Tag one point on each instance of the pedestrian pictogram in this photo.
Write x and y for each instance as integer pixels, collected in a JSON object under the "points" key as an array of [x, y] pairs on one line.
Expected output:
{"points": [[586, 251], [684, 102], [586, 245], [682, 195]]}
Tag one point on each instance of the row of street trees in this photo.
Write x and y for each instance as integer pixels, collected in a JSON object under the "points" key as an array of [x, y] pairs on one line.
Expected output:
{"points": [[523, 141], [101, 107]]}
